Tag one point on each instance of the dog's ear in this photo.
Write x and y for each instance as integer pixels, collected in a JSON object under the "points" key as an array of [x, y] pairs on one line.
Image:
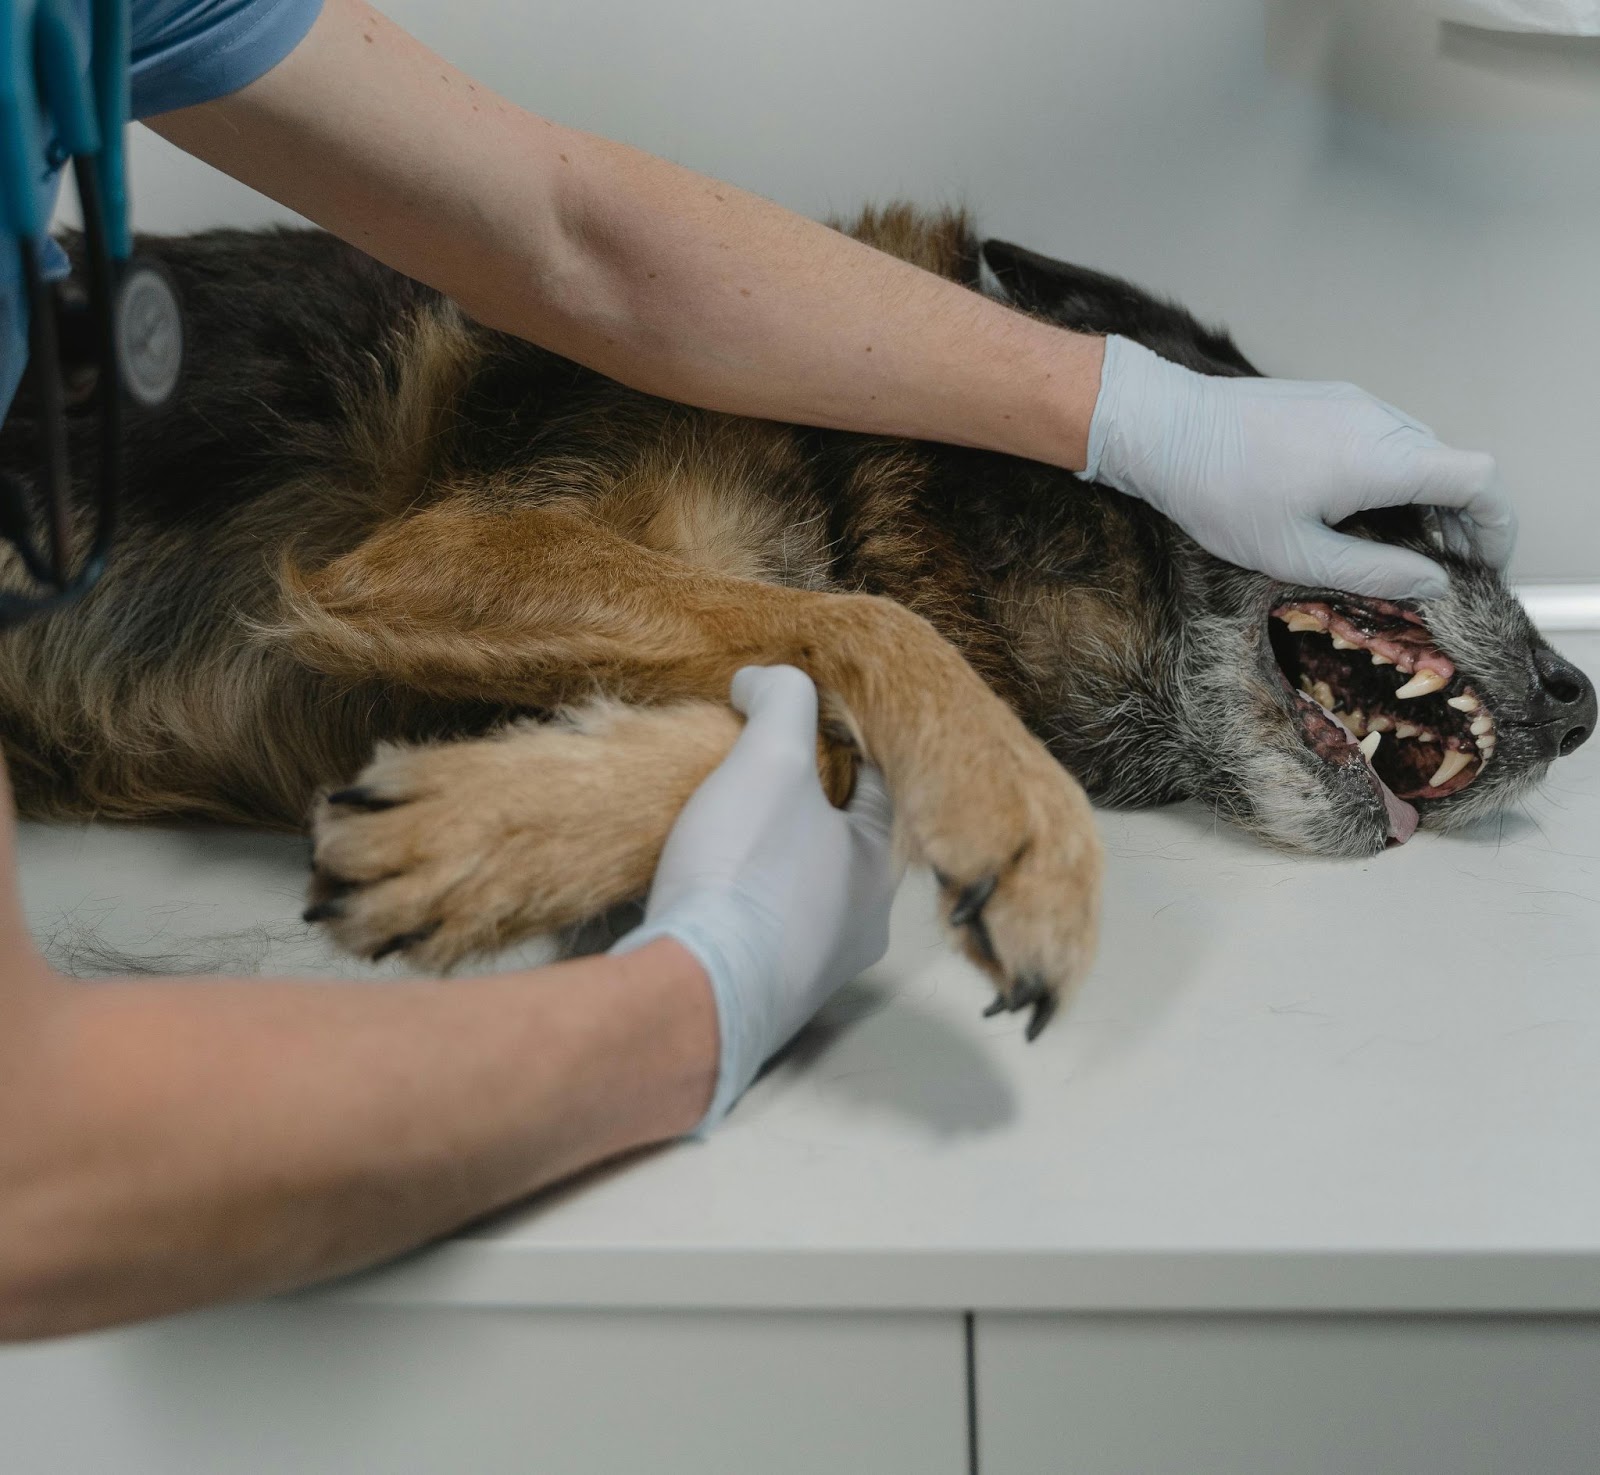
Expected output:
{"points": [[1095, 302], [1024, 276], [1057, 289]]}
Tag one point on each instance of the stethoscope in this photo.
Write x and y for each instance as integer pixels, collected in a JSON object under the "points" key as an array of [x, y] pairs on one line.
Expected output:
{"points": [[130, 331]]}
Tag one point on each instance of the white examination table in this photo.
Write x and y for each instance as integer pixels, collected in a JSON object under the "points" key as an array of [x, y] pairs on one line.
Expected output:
{"points": [[1306, 1181]]}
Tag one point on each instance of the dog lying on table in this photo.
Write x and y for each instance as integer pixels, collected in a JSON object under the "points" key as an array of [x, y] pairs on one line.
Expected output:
{"points": [[472, 611]]}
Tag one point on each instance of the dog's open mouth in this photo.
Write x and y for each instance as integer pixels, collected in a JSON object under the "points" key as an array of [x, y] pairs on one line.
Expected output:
{"points": [[1369, 677]]}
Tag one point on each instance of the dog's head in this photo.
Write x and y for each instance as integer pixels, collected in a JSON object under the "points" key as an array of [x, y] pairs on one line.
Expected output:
{"points": [[1319, 719]]}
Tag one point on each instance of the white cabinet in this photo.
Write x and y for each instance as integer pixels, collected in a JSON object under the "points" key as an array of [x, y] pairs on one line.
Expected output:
{"points": [[1287, 1395], [324, 1387], [329, 1389]]}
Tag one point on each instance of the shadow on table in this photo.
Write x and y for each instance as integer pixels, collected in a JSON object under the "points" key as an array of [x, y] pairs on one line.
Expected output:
{"points": [[924, 1068]]}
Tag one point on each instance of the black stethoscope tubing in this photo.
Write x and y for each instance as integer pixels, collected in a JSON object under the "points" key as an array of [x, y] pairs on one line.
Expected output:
{"points": [[53, 569]]}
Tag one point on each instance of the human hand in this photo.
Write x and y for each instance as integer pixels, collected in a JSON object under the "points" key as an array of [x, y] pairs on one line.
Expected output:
{"points": [[1258, 470], [781, 897]]}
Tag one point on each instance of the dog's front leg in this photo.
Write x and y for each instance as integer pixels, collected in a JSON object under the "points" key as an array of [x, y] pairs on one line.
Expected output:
{"points": [[545, 606]]}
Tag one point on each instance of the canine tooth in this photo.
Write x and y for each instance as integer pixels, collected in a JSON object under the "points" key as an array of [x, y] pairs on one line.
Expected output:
{"points": [[1298, 619], [1340, 643], [1380, 660], [1369, 744], [1451, 765], [1406, 729], [1481, 725], [1463, 704], [1423, 684], [1324, 694]]}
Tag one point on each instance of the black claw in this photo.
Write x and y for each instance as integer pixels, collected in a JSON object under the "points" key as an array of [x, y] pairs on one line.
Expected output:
{"points": [[997, 1006], [982, 943], [404, 940], [328, 892], [973, 898], [1043, 1008], [1024, 992], [357, 797]]}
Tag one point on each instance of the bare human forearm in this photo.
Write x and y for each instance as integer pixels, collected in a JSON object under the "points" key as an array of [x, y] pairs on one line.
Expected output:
{"points": [[650, 273], [169, 1144]]}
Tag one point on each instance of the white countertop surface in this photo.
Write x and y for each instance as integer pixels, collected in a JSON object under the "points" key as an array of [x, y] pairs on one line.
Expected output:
{"points": [[1289, 1084]]}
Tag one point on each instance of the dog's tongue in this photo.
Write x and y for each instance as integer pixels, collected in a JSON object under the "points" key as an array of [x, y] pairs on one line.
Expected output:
{"points": [[1402, 816]]}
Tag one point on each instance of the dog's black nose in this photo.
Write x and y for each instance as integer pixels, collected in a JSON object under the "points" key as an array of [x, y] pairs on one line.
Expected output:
{"points": [[1563, 708]]}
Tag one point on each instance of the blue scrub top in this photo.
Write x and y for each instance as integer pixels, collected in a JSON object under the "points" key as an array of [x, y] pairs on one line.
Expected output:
{"points": [[184, 52]]}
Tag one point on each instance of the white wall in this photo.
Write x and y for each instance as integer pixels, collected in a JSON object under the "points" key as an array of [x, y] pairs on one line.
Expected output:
{"points": [[1359, 191]]}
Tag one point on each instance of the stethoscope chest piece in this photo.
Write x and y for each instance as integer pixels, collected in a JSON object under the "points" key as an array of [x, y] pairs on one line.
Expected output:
{"points": [[148, 324]]}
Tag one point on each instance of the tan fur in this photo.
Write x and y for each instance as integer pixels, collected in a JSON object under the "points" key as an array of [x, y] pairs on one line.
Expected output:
{"points": [[391, 433], [517, 834], [699, 495], [940, 243]]}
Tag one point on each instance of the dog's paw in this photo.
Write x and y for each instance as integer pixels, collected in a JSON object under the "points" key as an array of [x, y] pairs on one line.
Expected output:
{"points": [[1018, 861], [445, 852], [426, 856]]}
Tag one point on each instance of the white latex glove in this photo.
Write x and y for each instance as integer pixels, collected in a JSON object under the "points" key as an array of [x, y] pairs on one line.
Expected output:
{"points": [[1256, 470], [782, 897]]}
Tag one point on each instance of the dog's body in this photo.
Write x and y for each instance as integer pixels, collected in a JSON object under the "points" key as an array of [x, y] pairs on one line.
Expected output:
{"points": [[369, 521]]}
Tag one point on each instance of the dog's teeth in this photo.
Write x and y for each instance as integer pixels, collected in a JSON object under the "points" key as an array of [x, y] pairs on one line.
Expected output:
{"points": [[1379, 723], [1453, 763], [1423, 684], [1406, 729], [1369, 744], [1340, 643], [1481, 725], [1324, 694], [1298, 619], [1353, 723], [1305, 685], [1463, 704], [1381, 660]]}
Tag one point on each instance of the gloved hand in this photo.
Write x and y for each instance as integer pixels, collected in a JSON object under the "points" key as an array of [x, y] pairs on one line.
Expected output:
{"points": [[782, 897], [1256, 470]]}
